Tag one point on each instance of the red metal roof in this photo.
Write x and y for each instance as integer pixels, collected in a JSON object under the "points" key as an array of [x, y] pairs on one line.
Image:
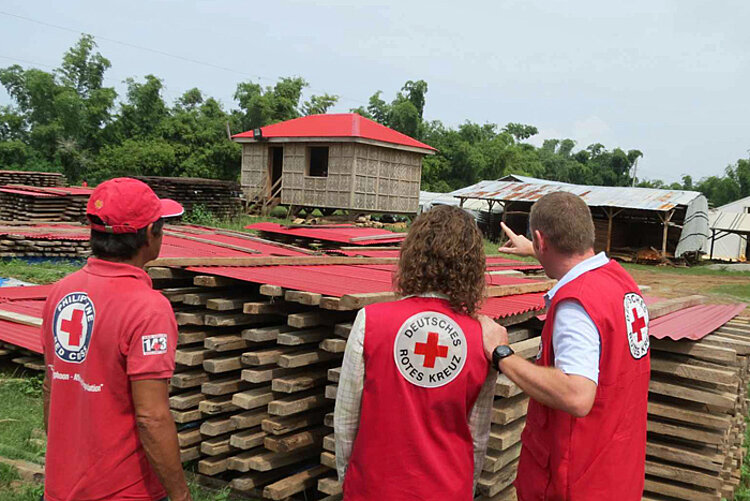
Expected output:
{"points": [[693, 323], [27, 301], [350, 125], [501, 307], [345, 233]]}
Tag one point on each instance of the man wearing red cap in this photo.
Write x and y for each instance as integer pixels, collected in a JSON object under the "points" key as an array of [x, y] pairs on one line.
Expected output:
{"points": [[109, 344]]}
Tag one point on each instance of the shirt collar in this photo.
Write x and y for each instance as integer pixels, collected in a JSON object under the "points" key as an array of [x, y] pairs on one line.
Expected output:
{"points": [[576, 271], [432, 295], [104, 268]]}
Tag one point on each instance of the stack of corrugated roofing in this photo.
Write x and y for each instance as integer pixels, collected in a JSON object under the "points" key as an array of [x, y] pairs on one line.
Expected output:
{"points": [[331, 235], [35, 204], [220, 198], [58, 240], [31, 178]]}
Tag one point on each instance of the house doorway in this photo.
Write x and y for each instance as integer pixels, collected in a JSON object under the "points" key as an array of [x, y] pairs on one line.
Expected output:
{"points": [[275, 168]]}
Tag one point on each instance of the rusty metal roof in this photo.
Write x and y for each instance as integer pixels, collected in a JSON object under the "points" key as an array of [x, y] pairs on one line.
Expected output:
{"points": [[595, 196]]}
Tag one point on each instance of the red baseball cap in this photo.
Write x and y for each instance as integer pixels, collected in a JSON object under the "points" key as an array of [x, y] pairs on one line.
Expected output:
{"points": [[126, 205]]}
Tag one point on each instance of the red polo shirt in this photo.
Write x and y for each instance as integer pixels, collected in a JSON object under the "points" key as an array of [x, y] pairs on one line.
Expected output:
{"points": [[104, 326]]}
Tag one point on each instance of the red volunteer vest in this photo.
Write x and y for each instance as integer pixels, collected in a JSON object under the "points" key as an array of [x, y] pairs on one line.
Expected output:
{"points": [[424, 368], [600, 456]]}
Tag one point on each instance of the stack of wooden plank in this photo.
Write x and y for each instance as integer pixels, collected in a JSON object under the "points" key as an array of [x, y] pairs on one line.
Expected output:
{"points": [[35, 204], [31, 178], [697, 409], [220, 198]]}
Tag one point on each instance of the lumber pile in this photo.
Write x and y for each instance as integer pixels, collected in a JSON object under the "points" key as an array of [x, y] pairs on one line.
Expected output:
{"points": [[696, 415], [34, 204], [220, 198], [31, 178], [15, 245]]}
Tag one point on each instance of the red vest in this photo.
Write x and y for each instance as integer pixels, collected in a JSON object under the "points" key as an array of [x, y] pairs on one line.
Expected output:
{"points": [[424, 367], [600, 456]]}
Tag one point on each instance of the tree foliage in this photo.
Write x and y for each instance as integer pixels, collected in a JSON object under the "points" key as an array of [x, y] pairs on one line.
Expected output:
{"points": [[67, 120]]}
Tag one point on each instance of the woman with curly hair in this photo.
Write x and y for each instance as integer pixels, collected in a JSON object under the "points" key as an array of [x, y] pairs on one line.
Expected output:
{"points": [[415, 394]]}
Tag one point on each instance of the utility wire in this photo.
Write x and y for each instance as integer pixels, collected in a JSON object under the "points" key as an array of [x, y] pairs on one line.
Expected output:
{"points": [[160, 52]]}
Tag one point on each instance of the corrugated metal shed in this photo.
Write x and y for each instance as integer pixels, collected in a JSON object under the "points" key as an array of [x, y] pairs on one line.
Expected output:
{"points": [[595, 196], [730, 222]]}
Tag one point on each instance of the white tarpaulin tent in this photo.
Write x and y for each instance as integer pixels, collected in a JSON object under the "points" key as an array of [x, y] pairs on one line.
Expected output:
{"points": [[729, 225]]}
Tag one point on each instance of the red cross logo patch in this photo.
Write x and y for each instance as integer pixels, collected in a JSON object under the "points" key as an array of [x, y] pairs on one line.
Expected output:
{"points": [[72, 327], [430, 349], [636, 322]]}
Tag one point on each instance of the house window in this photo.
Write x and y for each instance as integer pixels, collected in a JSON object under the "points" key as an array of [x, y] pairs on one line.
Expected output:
{"points": [[318, 161]]}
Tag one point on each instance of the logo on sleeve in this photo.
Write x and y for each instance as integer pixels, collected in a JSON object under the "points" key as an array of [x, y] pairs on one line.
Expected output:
{"points": [[154, 344], [636, 321], [430, 349], [72, 327]]}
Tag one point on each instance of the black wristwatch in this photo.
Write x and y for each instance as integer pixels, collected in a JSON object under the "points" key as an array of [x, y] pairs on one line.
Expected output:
{"points": [[500, 353]]}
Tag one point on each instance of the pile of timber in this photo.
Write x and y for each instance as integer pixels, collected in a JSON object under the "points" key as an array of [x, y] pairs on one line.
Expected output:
{"points": [[23, 246], [31, 178], [696, 414], [220, 198], [34, 204]]}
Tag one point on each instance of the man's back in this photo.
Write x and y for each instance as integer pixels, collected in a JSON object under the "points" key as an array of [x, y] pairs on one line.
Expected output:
{"points": [[103, 328]]}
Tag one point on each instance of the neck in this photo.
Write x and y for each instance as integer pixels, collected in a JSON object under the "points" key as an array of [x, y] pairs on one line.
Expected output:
{"points": [[138, 260], [565, 263]]}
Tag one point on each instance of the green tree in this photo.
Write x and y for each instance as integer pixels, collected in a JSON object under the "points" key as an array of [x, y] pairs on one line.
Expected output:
{"points": [[317, 105]]}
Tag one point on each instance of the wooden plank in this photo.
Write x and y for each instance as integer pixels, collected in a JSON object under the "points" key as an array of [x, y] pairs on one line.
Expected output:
{"points": [[202, 297], [190, 453], [191, 355], [20, 318], [334, 374], [216, 445], [212, 465], [300, 381], [516, 334], [247, 439], [159, 273], [302, 297], [688, 433], [721, 401], [185, 336], [741, 347], [676, 453], [278, 425], [186, 416], [329, 443], [505, 387], [261, 334], [270, 261], [189, 317], [270, 460], [668, 306], [491, 484], [226, 304], [695, 349], [214, 427], [265, 373], [249, 419], [331, 391], [300, 337], [271, 290], [270, 308], [296, 483], [342, 330], [497, 460], [328, 459], [330, 485], [234, 319], [266, 356], [184, 401], [316, 318], [333, 345], [252, 399], [223, 364], [217, 405], [296, 403], [228, 342], [298, 440], [303, 358], [224, 386], [507, 410], [528, 348], [189, 379], [669, 489], [248, 482], [693, 371], [186, 438], [679, 413], [213, 281], [503, 437]]}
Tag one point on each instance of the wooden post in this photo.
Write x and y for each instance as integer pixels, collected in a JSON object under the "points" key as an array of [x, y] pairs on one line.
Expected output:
{"points": [[461, 203], [665, 220], [609, 228], [713, 240]]}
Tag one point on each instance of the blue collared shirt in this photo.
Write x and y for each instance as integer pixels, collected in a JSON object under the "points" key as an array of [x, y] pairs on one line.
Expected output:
{"points": [[575, 337]]}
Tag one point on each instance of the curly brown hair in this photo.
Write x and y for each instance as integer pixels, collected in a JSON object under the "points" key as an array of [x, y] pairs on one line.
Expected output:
{"points": [[444, 253]]}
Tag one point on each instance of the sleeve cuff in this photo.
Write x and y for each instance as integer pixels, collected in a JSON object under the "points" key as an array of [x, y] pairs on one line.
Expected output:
{"points": [[151, 375], [580, 371]]}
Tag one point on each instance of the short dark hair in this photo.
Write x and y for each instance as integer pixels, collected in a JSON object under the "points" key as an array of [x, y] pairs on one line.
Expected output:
{"points": [[565, 220], [120, 245]]}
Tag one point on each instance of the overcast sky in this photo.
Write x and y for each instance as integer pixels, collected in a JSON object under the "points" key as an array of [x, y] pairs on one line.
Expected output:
{"points": [[670, 78]]}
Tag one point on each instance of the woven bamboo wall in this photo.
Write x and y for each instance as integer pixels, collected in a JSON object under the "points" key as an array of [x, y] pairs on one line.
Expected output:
{"points": [[360, 176]]}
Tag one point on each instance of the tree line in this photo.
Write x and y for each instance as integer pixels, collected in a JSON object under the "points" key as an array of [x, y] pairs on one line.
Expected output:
{"points": [[68, 121]]}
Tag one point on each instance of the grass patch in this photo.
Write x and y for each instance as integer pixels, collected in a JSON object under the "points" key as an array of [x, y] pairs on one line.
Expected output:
{"points": [[21, 418], [735, 291], [42, 272], [13, 490], [701, 270]]}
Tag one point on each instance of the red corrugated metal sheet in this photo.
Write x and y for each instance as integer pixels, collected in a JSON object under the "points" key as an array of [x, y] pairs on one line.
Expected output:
{"points": [[23, 336], [344, 125], [501, 307], [693, 323], [27, 301], [48, 231], [342, 233]]}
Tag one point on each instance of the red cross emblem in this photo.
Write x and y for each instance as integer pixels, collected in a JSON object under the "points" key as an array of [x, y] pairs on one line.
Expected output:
{"points": [[431, 350], [637, 325], [73, 327]]}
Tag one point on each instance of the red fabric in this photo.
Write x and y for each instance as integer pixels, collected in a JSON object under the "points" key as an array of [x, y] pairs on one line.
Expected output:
{"points": [[336, 125], [602, 455], [414, 442], [126, 205], [114, 329]]}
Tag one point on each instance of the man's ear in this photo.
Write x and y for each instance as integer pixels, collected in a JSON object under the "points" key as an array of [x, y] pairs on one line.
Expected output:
{"points": [[539, 241]]}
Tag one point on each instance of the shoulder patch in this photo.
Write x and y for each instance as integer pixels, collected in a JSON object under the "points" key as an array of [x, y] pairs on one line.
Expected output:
{"points": [[636, 323], [72, 327], [430, 349], [154, 344]]}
